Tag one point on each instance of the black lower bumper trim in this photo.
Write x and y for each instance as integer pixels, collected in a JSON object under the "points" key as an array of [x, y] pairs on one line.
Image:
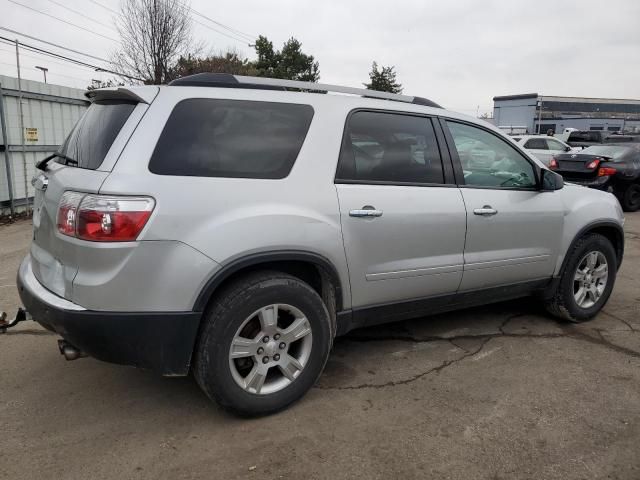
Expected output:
{"points": [[159, 341]]}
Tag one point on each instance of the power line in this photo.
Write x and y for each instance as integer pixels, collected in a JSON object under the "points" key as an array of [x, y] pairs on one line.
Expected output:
{"points": [[237, 39], [105, 7], [233, 34], [39, 58], [63, 21], [83, 15], [78, 62], [233, 30], [47, 53], [53, 44]]}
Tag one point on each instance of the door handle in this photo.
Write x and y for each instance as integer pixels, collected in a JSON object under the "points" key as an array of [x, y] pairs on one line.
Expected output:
{"points": [[366, 211], [486, 211]]}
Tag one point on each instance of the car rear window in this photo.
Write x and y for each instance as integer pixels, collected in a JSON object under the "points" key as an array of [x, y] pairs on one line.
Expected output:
{"points": [[611, 151], [231, 138], [92, 137]]}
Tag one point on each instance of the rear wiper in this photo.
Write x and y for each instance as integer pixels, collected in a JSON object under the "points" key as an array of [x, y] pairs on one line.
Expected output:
{"points": [[42, 164]]}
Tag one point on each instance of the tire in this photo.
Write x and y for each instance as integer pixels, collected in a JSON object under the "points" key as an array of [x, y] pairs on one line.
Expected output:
{"points": [[563, 303], [630, 198], [244, 311]]}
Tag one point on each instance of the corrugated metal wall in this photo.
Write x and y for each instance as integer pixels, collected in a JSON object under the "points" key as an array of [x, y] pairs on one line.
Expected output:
{"points": [[49, 114]]}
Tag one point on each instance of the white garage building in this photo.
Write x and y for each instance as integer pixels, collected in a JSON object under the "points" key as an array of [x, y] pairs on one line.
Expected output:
{"points": [[540, 113]]}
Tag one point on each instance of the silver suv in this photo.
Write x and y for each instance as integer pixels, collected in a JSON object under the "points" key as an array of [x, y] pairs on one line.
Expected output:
{"points": [[233, 226]]}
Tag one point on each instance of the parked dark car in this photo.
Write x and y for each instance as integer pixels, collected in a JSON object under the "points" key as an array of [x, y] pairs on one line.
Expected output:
{"points": [[611, 167], [586, 138]]}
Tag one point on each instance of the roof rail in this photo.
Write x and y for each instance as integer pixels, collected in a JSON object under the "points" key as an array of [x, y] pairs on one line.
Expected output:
{"points": [[227, 80]]}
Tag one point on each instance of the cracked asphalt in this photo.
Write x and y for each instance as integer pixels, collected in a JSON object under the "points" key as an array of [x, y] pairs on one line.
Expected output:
{"points": [[496, 392]]}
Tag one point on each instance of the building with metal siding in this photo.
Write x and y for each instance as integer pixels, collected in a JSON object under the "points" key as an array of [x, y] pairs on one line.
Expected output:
{"points": [[532, 110], [49, 112]]}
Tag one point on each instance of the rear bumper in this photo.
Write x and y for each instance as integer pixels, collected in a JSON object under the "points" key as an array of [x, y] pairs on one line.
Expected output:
{"points": [[159, 341], [601, 183]]}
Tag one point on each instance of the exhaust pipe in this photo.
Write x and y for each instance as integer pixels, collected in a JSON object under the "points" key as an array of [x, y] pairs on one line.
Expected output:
{"points": [[69, 351]]}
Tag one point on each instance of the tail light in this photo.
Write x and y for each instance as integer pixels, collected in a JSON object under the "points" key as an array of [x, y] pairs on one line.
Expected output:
{"points": [[102, 218], [68, 212], [593, 164], [553, 163], [606, 171]]}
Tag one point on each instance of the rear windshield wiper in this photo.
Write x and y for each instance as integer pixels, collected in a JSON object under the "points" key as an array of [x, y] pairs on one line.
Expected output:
{"points": [[42, 164]]}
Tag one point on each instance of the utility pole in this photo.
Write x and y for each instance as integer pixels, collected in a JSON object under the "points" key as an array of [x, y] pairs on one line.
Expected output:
{"points": [[539, 104], [7, 158], [44, 71], [24, 154]]}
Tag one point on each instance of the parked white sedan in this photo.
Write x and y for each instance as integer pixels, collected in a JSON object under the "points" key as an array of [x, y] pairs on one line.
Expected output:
{"points": [[542, 146]]}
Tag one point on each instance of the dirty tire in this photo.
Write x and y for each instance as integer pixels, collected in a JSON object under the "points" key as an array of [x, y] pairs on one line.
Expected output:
{"points": [[630, 198], [563, 303], [228, 312]]}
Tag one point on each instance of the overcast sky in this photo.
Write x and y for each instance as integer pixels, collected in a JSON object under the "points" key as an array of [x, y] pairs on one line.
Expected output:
{"points": [[459, 53]]}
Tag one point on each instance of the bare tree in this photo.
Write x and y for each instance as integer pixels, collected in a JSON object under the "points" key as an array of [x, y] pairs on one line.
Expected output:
{"points": [[154, 34]]}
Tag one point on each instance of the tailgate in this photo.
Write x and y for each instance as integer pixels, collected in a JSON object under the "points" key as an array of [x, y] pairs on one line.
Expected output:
{"points": [[83, 164], [53, 258]]}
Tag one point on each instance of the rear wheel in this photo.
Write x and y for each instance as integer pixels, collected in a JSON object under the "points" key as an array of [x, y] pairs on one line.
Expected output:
{"points": [[630, 198], [266, 340], [587, 280]]}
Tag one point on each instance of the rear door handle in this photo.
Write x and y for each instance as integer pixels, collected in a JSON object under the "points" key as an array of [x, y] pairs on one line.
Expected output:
{"points": [[366, 211], [486, 211]]}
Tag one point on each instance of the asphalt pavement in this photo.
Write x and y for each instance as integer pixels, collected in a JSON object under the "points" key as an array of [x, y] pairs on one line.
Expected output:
{"points": [[496, 392]]}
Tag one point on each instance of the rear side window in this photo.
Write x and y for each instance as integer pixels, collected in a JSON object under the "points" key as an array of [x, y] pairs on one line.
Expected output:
{"points": [[389, 147], [613, 152], [231, 138], [578, 137], [92, 137], [536, 144]]}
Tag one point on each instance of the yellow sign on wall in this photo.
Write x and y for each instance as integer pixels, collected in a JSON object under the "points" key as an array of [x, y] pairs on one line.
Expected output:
{"points": [[31, 134]]}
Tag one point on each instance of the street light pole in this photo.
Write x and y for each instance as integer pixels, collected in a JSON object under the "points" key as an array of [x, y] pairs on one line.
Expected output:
{"points": [[539, 103], [44, 71]]}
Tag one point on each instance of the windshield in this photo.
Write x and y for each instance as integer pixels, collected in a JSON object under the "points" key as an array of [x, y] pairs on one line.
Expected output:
{"points": [[92, 137], [611, 151]]}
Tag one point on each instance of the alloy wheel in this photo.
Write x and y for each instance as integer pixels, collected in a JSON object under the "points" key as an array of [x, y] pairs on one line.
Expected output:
{"points": [[270, 349], [590, 279]]}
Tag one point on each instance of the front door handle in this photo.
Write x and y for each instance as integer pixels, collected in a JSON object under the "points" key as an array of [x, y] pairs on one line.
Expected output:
{"points": [[486, 211], [366, 211]]}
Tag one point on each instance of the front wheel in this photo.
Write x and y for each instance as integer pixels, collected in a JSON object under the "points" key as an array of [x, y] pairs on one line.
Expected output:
{"points": [[587, 280], [265, 342]]}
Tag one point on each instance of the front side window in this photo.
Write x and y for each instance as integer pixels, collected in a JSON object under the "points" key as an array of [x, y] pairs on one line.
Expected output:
{"points": [[489, 161], [536, 144], [389, 147], [554, 144], [231, 138]]}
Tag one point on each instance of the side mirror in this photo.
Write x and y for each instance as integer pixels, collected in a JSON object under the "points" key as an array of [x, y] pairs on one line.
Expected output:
{"points": [[567, 148], [550, 181]]}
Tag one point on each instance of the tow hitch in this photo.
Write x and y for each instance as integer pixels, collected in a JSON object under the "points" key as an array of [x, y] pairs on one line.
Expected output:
{"points": [[21, 316]]}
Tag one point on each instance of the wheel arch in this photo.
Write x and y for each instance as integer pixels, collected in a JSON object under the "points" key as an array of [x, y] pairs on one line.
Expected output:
{"points": [[608, 229], [310, 267]]}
